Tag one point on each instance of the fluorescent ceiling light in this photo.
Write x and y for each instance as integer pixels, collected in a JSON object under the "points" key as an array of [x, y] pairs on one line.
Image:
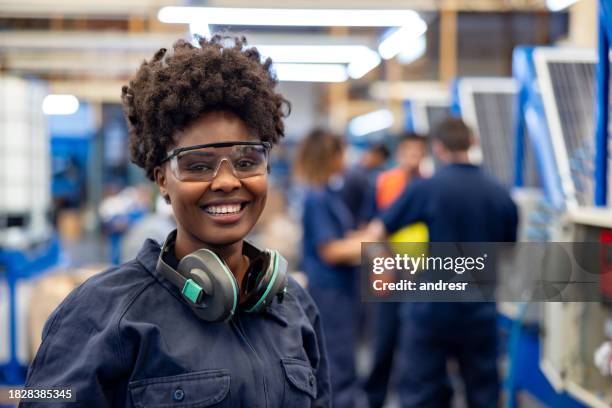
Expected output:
{"points": [[311, 72], [360, 59], [558, 5], [371, 122], [402, 39], [288, 17], [200, 28], [414, 52], [361, 66], [60, 104]]}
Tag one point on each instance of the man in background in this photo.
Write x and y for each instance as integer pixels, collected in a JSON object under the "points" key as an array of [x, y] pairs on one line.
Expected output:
{"points": [[411, 150], [459, 204], [357, 184]]}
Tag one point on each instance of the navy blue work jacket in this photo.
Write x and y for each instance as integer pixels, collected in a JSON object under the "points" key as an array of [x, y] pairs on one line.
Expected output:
{"points": [[325, 218], [126, 338], [459, 203]]}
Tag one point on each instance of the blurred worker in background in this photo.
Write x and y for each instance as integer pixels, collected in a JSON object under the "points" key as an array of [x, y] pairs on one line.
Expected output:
{"points": [[156, 225], [358, 184], [411, 150], [374, 160], [331, 251], [458, 204]]}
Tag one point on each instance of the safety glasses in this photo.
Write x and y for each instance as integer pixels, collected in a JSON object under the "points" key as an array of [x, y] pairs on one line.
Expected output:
{"points": [[202, 162]]}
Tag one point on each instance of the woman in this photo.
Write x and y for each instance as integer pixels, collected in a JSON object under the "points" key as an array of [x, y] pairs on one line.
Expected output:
{"points": [[331, 251], [187, 324]]}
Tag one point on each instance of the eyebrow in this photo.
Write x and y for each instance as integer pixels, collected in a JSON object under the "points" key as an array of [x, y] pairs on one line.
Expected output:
{"points": [[201, 152]]}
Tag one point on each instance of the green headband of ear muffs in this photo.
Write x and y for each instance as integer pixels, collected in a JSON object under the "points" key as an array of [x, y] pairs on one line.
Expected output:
{"points": [[210, 288]]}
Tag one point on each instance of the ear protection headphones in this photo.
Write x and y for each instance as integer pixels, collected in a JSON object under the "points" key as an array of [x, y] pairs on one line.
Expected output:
{"points": [[210, 288]]}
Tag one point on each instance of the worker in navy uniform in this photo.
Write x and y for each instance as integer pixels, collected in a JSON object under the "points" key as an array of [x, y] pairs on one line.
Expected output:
{"points": [[209, 320], [410, 153], [331, 250], [459, 204]]}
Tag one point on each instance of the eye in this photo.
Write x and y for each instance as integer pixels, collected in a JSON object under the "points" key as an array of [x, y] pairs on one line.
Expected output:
{"points": [[244, 164], [199, 167]]}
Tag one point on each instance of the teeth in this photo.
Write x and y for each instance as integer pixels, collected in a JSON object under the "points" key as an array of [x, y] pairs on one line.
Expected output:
{"points": [[223, 209]]}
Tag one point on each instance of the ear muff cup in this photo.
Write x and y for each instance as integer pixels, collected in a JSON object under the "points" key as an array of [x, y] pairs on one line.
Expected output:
{"points": [[265, 280], [221, 290]]}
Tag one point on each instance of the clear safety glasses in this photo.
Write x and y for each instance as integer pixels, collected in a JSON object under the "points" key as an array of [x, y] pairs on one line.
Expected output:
{"points": [[202, 162]]}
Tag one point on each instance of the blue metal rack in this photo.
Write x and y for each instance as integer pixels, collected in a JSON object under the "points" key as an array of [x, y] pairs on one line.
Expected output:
{"points": [[531, 131], [530, 121], [409, 119], [603, 103], [16, 265]]}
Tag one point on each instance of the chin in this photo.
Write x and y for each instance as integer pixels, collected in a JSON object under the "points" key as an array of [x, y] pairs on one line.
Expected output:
{"points": [[224, 241], [224, 238]]}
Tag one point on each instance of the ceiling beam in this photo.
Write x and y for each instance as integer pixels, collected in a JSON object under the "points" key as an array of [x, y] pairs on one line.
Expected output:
{"points": [[107, 9], [123, 9], [45, 41], [405, 90], [94, 91]]}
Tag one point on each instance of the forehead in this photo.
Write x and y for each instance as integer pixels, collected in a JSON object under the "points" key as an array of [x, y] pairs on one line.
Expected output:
{"points": [[412, 143], [214, 127]]}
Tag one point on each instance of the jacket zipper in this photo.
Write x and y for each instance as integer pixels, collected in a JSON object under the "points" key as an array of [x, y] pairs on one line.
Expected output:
{"points": [[237, 323]]}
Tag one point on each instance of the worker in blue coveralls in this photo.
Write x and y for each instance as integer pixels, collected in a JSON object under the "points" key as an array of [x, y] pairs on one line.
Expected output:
{"points": [[459, 204], [207, 319], [331, 249]]}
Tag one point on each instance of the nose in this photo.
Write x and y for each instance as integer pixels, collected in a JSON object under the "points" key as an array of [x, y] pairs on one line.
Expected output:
{"points": [[224, 179]]}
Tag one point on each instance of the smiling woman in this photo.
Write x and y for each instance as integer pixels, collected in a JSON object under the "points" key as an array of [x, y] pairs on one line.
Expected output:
{"points": [[206, 312]]}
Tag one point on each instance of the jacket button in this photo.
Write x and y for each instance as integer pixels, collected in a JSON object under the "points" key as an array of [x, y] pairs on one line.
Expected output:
{"points": [[311, 379], [178, 394]]}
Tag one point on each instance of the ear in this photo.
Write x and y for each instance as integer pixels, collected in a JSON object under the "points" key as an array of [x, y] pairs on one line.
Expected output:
{"points": [[161, 180], [439, 150]]}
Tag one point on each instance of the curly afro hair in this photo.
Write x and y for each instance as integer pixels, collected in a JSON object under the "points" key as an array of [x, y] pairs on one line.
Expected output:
{"points": [[170, 92]]}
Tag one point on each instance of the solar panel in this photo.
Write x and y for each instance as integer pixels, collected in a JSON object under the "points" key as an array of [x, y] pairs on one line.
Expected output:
{"points": [[436, 114], [567, 83], [427, 114], [530, 172], [487, 106]]}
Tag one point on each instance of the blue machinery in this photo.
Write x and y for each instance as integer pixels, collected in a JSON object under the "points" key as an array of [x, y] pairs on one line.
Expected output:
{"points": [[531, 129], [16, 266], [565, 180], [522, 342]]}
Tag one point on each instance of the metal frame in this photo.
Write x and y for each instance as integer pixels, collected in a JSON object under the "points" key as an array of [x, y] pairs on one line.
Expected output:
{"points": [[464, 94], [15, 266], [416, 104], [468, 86], [560, 55], [420, 118], [530, 121]]}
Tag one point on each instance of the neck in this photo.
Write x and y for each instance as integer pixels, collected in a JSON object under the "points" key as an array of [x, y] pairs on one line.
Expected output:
{"points": [[231, 254], [411, 172], [459, 158]]}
